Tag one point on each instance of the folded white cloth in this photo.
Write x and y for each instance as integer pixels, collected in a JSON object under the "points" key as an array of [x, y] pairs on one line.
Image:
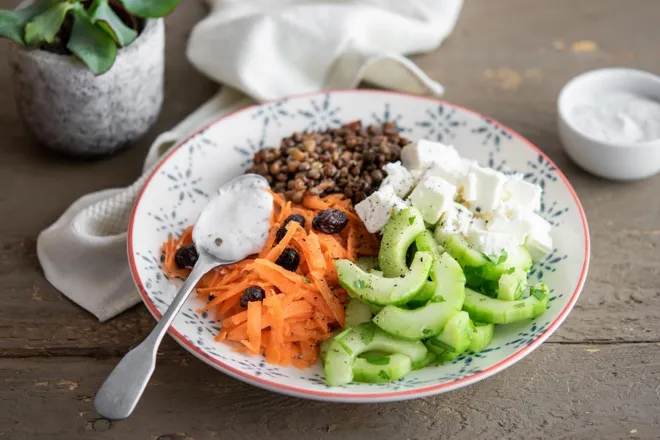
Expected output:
{"points": [[262, 50]]}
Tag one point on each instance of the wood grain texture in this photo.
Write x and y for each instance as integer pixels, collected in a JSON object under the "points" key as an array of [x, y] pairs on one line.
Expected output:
{"points": [[608, 393], [598, 377]]}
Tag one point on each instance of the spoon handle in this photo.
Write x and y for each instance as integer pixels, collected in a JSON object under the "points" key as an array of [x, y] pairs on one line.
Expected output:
{"points": [[121, 391]]}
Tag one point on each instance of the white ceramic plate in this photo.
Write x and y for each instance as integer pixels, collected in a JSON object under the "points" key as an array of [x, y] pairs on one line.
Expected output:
{"points": [[178, 189]]}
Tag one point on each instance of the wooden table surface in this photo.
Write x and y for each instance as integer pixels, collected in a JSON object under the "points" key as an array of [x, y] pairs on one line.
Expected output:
{"points": [[598, 377]]}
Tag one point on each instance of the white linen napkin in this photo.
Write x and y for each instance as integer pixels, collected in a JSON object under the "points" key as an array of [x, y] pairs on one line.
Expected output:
{"points": [[261, 50]]}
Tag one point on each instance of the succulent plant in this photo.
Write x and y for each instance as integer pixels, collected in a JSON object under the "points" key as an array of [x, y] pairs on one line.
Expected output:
{"points": [[92, 30]]}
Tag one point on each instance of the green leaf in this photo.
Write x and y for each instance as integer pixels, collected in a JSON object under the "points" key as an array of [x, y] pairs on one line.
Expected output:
{"points": [[503, 257], [411, 220], [384, 375], [538, 293], [107, 19], [44, 27], [13, 22], [510, 270], [441, 345], [368, 334], [91, 44], [377, 360], [427, 331], [150, 8], [306, 281]]}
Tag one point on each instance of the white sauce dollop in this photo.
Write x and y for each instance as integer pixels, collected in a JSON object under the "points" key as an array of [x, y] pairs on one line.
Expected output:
{"points": [[235, 223]]}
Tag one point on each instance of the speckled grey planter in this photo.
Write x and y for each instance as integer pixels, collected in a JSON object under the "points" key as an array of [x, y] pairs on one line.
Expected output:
{"points": [[70, 109]]}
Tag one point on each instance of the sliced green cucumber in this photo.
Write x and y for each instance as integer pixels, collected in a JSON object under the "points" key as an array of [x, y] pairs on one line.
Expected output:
{"points": [[426, 242], [454, 339], [482, 336], [383, 291], [512, 285], [429, 320], [357, 312], [367, 264], [428, 360], [399, 233], [464, 253], [421, 323], [381, 369], [346, 346], [375, 309], [424, 295], [496, 311]]}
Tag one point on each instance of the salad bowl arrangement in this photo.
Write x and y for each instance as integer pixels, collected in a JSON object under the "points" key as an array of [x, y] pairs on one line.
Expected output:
{"points": [[178, 189]]}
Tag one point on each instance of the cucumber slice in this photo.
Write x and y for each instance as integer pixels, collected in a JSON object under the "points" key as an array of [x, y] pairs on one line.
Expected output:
{"points": [[421, 323], [496, 311], [428, 360], [345, 347], [512, 285], [426, 242], [424, 295], [482, 336], [357, 312], [428, 320], [464, 253], [367, 263], [375, 309], [454, 339], [383, 291], [381, 369], [378, 273], [399, 233]]}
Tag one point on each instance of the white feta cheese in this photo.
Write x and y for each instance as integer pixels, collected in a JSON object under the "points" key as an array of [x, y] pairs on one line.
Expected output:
{"points": [[398, 178], [469, 188], [539, 245], [377, 209], [455, 220], [516, 227], [492, 244], [423, 154], [486, 193], [520, 196], [433, 196], [534, 223]]}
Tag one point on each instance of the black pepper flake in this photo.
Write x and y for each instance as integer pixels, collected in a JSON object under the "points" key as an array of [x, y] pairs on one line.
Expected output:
{"points": [[478, 209]]}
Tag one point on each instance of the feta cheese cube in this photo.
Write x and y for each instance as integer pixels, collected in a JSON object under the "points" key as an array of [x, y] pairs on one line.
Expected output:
{"points": [[539, 245], [455, 220], [534, 223], [469, 187], [377, 209], [492, 244], [398, 178], [423, 154], [516, 227], [433, 196], [520, 196], [487, 191]]}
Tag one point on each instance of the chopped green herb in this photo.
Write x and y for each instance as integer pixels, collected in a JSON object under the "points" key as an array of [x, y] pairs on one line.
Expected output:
{"points": [[384, 375], [437, 299], [411, 220], [306, 281], [344, 346], [359, 284], [368, 334], [427, 331], [510, 270], [378, 360], [503, 257], [441, 345], [538, 293], [343, 334], [519, 305], [479, 324]]}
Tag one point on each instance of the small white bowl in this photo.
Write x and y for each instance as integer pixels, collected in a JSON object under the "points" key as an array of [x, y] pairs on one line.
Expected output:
{"points": [[612, 160]]}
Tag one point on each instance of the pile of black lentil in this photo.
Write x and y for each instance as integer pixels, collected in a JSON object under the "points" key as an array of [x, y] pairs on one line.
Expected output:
{"points": [[344, 160]]}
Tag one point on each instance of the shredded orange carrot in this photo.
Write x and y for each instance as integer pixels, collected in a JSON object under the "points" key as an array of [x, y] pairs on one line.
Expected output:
{"points": [[299, 308]]}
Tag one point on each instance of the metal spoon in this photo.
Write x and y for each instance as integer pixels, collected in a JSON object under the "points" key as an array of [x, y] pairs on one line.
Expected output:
{"points": [[122, 390]]}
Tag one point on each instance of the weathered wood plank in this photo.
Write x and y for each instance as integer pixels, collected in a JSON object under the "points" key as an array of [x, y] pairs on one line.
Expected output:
{"points": [[560, 392]]}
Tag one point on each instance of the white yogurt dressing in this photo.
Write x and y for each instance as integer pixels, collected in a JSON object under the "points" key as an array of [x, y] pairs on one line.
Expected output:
{"points": [[235, 223]]}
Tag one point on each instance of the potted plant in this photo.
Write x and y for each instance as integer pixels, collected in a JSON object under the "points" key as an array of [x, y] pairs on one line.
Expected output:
{"points": [[88, 74]]}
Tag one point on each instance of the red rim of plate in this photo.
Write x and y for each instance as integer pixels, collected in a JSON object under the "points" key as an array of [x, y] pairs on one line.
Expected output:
{"points": [[364, 397]]}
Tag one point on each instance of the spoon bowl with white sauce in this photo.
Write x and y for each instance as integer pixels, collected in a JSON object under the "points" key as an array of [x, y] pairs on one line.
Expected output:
{"points": [[609, 122], [233, 225]]}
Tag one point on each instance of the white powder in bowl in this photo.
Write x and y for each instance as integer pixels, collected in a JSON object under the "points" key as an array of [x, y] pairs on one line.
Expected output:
{"points": [[619, 117]]}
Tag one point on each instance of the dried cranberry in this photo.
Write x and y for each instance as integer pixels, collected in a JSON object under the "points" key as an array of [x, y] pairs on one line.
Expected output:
{"points": [[289, 259], [252, 293], [330, 221], [186, 257]]}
